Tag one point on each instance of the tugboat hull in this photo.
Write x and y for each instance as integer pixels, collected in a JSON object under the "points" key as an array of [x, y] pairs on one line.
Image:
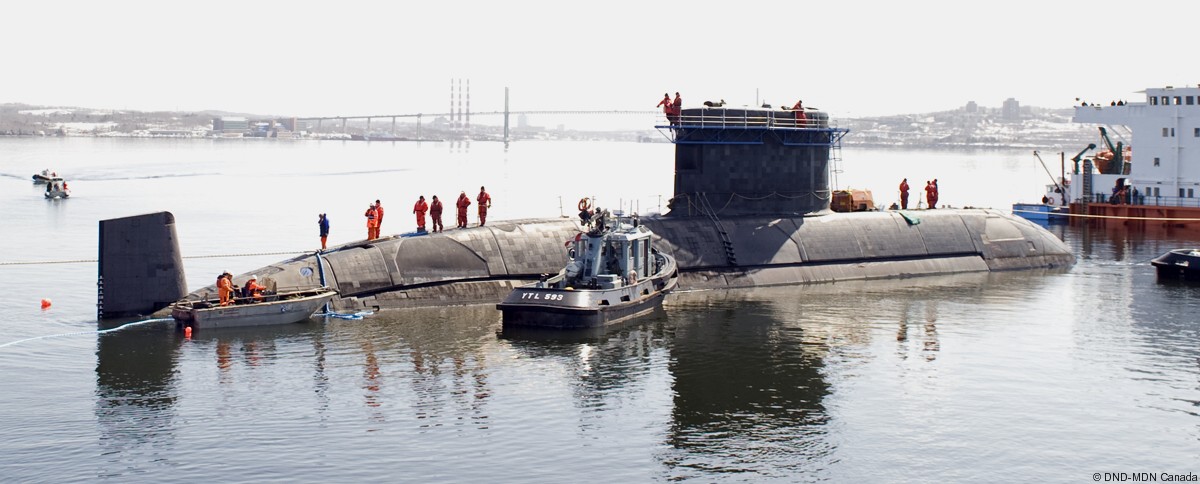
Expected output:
{"points": [[539, 307]]}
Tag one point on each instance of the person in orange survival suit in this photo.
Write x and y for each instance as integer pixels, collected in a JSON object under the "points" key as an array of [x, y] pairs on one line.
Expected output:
{"points": [[801, 118], [420, 208], [372, 222], [904, 194], [435, 214], [667, 108], [463, 202], [378, 218], [253, 289], [933, 194], [225, 288], [485, 202]]}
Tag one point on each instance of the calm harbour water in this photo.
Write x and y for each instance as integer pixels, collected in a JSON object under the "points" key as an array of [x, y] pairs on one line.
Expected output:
{"points": [[1034, 375]]}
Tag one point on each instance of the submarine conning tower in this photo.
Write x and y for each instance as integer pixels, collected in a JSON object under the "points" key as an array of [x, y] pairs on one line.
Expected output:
{"points": [[751, 161]]}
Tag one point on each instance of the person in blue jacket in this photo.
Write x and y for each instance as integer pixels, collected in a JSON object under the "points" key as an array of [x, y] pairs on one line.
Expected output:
{"points": [[323, 222]]}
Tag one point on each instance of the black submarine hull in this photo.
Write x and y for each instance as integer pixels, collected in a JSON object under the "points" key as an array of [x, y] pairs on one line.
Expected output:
{"points": [[482, 265]]}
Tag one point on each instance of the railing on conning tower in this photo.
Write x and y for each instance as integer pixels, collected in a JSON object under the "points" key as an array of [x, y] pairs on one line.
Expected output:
{"points": [[750, 126]]}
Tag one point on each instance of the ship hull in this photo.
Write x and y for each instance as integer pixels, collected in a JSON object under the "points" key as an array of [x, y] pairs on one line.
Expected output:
{"points": [[482, 265], [1137, 216], [1178, 264], [546, 307]]}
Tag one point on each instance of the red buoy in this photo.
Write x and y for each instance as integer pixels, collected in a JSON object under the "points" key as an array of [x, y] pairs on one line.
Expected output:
{"points": [[45, 303], [187, 332]]}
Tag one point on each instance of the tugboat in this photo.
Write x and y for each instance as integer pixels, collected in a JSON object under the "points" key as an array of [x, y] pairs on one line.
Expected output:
{"points": [[1178, 264], [614, 274]]}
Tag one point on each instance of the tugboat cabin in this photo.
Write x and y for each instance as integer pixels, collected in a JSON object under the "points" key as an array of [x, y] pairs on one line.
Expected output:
{"points": [[607, 259]]}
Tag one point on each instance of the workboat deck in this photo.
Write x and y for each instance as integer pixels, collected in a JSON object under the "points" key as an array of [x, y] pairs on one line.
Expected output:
{"points": [[281, 308]]}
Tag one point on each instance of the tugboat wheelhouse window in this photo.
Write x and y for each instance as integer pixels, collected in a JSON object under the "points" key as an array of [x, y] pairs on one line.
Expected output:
{"points": [[1196, 132], [1153, 101], [1166, 101], [1164, 132], [1188, 100], [1155, 161], [1177, 100]]}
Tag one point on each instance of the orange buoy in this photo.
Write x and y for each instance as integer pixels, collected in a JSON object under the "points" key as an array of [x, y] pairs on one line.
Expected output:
{"points": [[45, 303], [187, 332]]}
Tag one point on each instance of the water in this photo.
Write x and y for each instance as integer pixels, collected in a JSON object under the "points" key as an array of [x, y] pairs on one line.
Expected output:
{"points": [[1047, 375]]}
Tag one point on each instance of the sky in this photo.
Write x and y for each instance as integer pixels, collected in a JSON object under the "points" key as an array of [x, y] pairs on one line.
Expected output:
{"points": [[852, 58]]}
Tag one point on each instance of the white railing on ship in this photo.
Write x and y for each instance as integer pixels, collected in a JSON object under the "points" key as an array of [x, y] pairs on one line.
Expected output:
{"points": [[785, 119], [1146, 200]]}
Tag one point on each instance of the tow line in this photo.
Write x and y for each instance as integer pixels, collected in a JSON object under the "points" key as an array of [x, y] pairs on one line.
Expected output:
{"points": [[99, 331]]}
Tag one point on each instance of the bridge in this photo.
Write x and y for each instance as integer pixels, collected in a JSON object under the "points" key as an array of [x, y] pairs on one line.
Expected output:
{"points": [[459, 122]]}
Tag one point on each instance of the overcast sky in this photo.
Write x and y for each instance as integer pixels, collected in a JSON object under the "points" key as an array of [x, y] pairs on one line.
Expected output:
{"points": [[851, 58]]}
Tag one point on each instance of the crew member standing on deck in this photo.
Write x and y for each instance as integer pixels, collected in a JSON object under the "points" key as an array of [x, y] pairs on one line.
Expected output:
{"points": [[225, 288], [677, 106], [485, 202], [463, 202], [666, 105], [904, 194], [323, 223], [378, 218], [928, 194], [420, 208], [934, 201], [435, 214], [372, 222]]}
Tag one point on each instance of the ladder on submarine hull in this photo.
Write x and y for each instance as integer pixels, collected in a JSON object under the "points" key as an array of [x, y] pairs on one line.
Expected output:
{"points": [[726, 242]]}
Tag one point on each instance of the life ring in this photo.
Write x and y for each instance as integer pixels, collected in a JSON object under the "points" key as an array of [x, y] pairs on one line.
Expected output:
{"points": [[583, 204]]}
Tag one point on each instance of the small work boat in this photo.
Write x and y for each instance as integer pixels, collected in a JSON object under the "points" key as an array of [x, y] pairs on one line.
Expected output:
{"points": [[44, 176], [614, 274], [279, 308], [57, 188], [1178, 264]]}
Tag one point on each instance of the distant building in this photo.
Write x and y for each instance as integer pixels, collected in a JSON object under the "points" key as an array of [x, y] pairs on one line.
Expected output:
{"points": [[971, 107], [1011, 110], [230, 124]]}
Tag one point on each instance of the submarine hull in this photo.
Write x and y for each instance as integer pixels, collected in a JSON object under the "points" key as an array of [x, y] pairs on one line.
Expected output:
{"points": [[482, 265]]}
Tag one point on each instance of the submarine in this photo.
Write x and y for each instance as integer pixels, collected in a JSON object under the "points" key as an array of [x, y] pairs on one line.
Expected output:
{"points": [[751, 207]]}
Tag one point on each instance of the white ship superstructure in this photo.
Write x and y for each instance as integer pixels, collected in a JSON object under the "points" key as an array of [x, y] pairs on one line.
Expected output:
{"points": [[1164, 169]]}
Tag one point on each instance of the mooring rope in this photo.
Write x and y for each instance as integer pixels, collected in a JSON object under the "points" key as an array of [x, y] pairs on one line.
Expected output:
{"points": [[81, 261], [99, 331], [354, 316]]}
